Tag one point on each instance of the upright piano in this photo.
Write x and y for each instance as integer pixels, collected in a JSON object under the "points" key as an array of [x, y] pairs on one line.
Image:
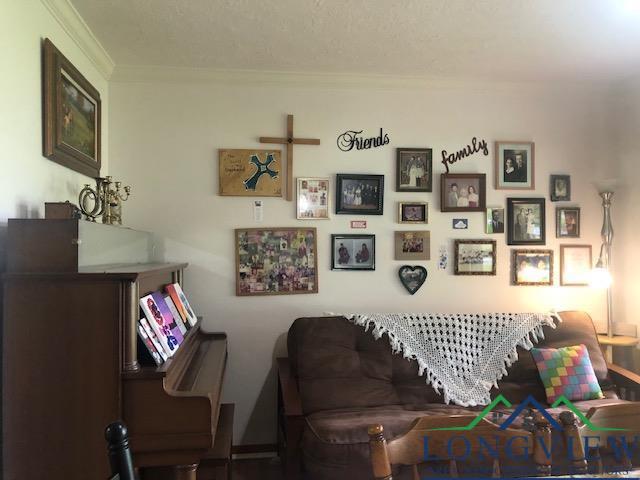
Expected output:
{"points": [[72, 361]]}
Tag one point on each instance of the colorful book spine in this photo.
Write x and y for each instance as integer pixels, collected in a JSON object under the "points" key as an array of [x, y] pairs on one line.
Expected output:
{"points": [[154, 338], [182, 304], [159, 325], [176, 316], [149, 344]]}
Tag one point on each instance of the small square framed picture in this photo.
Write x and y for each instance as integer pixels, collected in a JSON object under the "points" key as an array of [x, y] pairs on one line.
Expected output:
{"points": [[413, 212], [359, 194], [475, 257], [460, 223], [575, 265], [413, 245], [533, 267], [515, 166], [353, 252], [312, 199], [568, 222], [526, 221], [413, 170], [560, 188], [463, 192], [495, 220]]}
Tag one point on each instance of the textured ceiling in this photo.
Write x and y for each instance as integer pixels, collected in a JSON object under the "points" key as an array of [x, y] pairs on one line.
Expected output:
{"points": [[514, 40]]}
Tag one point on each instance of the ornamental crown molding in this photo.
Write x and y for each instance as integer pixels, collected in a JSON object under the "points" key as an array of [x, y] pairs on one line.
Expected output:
{"points": [[150, 74], [75, 26]]}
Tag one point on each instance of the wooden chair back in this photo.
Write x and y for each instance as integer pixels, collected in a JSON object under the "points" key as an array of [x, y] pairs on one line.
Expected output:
{"points": [[613, 426], [119, 453], [409, 449]]}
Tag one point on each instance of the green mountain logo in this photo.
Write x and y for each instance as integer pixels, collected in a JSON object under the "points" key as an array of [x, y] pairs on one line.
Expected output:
{"points": [[501, 400]]}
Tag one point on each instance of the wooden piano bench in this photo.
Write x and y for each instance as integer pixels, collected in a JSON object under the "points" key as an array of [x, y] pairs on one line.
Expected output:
{"points": [[216, 465]]}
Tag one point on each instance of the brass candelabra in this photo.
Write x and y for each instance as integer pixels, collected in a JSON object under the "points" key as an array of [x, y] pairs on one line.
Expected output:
{"points": [[104, 201]]}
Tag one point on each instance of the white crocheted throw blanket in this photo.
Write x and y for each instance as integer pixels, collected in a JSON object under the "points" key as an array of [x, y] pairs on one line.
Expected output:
{"points": [[463, 356]]}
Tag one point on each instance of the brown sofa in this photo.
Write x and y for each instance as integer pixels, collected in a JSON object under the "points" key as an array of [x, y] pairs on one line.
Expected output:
{"points": [[338, 380]]}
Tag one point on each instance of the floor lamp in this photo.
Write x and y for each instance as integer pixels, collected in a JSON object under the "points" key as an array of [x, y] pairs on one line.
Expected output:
{"points": [[602, 271]]}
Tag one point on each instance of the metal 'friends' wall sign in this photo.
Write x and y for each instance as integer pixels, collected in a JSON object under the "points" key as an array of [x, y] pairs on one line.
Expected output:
{"points": [[353, 139]]}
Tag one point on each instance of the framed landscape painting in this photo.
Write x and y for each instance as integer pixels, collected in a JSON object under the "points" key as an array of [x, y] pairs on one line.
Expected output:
{"points": [[250, 173], [71, 115], [515, 166], [276, 261]]}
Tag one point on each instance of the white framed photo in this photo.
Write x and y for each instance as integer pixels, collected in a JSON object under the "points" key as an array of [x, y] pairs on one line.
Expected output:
{"points": [[312, 198]]}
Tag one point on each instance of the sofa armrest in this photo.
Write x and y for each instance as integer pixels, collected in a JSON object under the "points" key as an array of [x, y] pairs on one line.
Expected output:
{"points": [[623, 378], [290, 397]]}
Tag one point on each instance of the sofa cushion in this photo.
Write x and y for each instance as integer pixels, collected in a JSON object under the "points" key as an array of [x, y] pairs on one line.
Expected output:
{"points": [[340, 365]]}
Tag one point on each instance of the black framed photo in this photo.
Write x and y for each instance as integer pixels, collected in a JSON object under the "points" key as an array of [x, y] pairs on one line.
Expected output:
{"points": [[533, 267], [414, 170], [413, 212], [568, 222], [353, 252], [463, 192], [475, 257], [560, 188], [526, 221], [359, 194]]}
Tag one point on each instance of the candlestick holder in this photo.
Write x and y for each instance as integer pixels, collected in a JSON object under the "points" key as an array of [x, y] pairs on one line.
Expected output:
{"points": [[104, 201]]}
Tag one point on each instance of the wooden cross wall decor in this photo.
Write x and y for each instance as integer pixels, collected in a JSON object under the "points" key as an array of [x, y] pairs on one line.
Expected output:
{"points": [[289, 141]]}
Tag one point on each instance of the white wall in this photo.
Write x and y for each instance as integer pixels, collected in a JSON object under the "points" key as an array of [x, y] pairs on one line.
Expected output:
{"points": [[625, 103], [28, 179], [164, 141]]}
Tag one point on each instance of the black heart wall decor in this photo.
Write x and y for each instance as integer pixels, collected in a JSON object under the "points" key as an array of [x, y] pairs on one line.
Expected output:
{"points": [[412, 277]]}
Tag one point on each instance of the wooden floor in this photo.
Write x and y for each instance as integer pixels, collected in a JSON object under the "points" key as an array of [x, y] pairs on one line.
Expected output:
{"points": [[257, 469]]}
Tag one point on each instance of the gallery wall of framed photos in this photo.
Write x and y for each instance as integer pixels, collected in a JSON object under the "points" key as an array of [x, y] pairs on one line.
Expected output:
{"points": [[202, 223]]}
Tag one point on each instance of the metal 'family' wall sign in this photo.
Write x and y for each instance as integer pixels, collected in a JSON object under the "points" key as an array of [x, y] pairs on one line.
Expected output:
{"points": [[474, 147], [353, 138]]}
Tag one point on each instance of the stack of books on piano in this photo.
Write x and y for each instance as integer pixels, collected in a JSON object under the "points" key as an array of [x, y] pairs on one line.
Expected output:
{"points": [[168, 317]]}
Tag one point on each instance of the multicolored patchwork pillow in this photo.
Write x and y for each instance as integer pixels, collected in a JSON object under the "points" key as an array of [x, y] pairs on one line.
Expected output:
{"points": [[567, 371]]}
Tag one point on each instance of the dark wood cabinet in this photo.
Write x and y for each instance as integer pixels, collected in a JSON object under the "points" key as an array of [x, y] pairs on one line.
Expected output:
{"points": [[72, 362]]}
